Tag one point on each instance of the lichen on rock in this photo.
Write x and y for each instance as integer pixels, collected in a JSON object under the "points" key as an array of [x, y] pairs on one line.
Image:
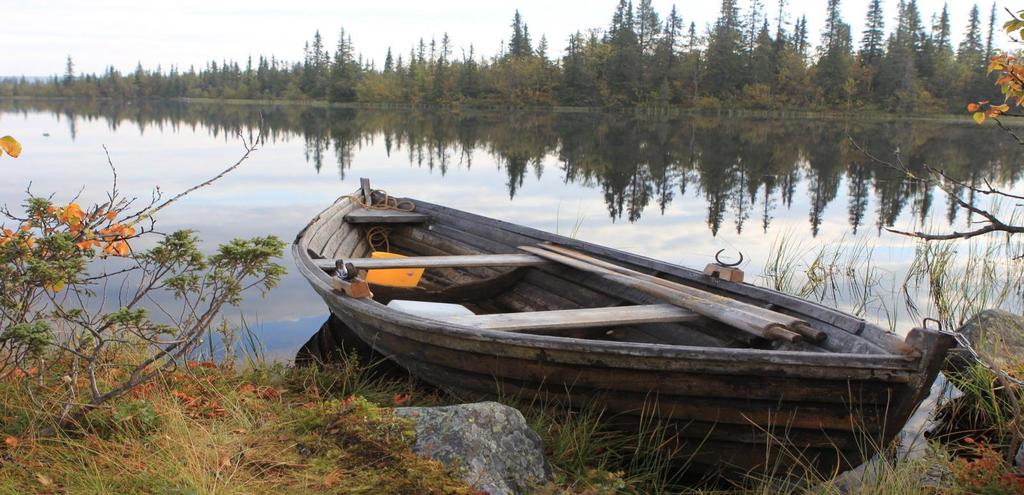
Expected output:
{"points": [[486, 444]]}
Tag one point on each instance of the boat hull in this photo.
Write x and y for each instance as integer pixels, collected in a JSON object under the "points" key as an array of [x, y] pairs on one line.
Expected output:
{"points": [[732, 410]]}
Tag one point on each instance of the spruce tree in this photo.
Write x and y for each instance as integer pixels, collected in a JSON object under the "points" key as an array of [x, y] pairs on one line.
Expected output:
{"points": [[871, 50], [970, 47], [835, 61], [990, 39], [389, 63], [624, 63], [519, 44], [942, 31], [648, 27], [724, 60], [69, 71]]}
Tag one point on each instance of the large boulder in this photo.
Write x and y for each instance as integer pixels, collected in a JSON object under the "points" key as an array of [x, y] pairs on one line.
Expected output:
{"points": [[996, 334], [487, 444]]}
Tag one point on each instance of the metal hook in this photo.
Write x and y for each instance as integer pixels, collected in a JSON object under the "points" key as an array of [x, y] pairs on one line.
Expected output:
{"points": [[938, 324], [724, 264]]}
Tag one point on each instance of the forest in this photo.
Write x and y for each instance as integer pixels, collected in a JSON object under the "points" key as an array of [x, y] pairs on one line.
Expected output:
{"points": [[751, 57]]}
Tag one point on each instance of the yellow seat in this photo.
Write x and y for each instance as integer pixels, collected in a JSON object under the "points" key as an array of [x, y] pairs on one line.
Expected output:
{"points": [[393, 277]]}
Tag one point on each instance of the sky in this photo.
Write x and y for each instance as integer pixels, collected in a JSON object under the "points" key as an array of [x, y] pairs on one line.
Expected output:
{"points": [[37, 37]]}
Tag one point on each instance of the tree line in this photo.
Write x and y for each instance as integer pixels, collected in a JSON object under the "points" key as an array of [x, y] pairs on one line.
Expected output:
{"points": [[747, 58]]}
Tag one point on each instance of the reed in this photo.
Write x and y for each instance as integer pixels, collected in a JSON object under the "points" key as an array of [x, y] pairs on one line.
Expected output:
{"points": [[948, 281]]}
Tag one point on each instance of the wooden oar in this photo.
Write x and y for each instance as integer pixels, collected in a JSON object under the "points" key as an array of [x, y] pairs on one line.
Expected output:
{"points": [[750, 323], [790, 322]]}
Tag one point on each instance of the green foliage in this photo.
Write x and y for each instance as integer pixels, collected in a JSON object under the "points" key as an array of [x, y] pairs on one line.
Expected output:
{"points": [[27, 339]]}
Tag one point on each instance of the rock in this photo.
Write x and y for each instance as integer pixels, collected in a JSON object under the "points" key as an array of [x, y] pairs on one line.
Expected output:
{"points": [[1018, 458], [486, 444], [997, 335]]}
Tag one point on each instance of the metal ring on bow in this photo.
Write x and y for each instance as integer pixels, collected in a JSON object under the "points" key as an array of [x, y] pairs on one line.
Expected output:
{"points": [[724, 264]]}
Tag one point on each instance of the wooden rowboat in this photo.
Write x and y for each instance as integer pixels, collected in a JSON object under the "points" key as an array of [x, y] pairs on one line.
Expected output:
{"points": [[583, 324]]}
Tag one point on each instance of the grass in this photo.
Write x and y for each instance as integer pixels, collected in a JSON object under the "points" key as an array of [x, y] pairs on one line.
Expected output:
{"points": [[948, 281], [214, 429], [269, 428]]}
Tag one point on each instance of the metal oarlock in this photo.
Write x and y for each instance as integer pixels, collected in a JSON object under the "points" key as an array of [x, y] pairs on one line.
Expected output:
{"points": [[725, 271]]}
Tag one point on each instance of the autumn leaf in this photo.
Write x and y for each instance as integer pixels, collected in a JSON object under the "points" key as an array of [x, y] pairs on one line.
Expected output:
{"points": [[43, 480], [973, 107], [72, 214], [11, 442], [979, 117], [400, 399], [10, 145]]}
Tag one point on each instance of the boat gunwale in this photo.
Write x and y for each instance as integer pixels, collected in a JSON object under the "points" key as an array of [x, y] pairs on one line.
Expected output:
{"points": [[322, 282]]}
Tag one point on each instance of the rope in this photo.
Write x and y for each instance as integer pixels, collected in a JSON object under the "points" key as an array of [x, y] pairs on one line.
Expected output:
{"points": [[386, 202], [377, 236]]}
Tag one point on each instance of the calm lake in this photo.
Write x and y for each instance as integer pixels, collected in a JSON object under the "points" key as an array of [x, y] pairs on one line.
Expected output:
{"points": [[674, 188]]}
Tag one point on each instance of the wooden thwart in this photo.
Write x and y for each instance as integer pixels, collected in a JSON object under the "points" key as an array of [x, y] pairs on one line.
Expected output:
{"points": [[576, 318], [380, 215], [464, 261], [758, 321]]}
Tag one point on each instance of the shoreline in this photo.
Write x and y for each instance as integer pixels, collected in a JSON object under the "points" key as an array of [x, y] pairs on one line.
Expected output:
{"points": [[640, 111]]}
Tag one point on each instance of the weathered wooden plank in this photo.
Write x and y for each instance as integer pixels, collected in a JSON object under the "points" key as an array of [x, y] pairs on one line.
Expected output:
{"points": [[472, 227], [792, 324], [327, 225], [732, 361], [438, 261], [576, 318], [775, 390], [705, 306], [378, 215], [518, 234], [343, 232], [772, 415]]}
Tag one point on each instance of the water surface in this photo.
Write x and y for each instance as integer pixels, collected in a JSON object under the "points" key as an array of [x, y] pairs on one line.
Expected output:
{"points": [[673, 188]]}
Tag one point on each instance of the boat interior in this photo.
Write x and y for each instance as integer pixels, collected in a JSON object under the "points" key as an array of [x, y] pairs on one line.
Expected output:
{"points": [[454, 261]]}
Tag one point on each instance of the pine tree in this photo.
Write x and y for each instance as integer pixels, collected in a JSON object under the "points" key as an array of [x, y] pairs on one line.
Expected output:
{"points": [[389, 63], [780, 26], [624, 64], [69, 71], [752, 24], [990, 39], [873, 37], [519, 44], [578, 84], [800, 37], [724, 60], [666, 57], [762, 68], [648, 27], [942, 31], [343, 71], [969, 52], [835, 62]]}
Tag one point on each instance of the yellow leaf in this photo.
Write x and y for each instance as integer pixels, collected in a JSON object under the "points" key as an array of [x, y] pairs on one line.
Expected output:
{"points": [[10, 145], [43, 480], [56, 286], [979, 117]]}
